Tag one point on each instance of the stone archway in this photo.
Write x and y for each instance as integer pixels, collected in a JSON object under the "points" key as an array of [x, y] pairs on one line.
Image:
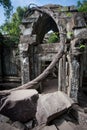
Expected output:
{"points": [[42, 22]]}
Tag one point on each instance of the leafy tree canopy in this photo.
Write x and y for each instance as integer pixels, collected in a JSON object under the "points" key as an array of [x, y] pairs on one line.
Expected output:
{"points": [[82, 6], [11, 27], [7, 6]]}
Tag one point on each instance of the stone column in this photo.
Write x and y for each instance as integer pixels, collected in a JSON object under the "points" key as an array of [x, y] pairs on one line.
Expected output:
{"points": [[24, 59], [60, 75], [64, 74], [73, 78]]}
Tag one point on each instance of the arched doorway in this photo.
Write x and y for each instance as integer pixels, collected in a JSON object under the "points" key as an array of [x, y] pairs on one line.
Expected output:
{"points": [[43, 51]]}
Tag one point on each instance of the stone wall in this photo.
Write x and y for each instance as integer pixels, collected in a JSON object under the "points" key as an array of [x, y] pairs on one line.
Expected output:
{"points": [[9, 66], [71, 26]]}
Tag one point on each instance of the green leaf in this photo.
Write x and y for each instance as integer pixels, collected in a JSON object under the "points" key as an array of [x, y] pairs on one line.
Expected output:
{"points": [[53, 38], [82, 46], [69, 35]]}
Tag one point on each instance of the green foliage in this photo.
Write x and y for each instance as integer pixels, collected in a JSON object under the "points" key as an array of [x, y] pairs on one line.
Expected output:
{"points": [[70, 35], [11, 27], [82, 46], [69, 14], [7, 7], [82, 6], [53, 38]]}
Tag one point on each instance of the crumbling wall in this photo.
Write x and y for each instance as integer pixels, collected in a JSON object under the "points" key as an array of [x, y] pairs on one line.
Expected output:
{"points": [[71, 26]]}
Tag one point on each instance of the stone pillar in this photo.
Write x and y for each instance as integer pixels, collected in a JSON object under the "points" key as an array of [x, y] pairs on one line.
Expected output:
{"points": [[60, 75], [73, 78], [64, 75], [24, 59]]}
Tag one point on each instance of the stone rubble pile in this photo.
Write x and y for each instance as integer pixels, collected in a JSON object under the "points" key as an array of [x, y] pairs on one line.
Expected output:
{"points": [[28, 110]]}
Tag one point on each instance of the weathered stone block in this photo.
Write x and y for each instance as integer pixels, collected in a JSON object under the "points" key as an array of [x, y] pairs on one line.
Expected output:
{"points": [[20, 105], [51, 106]]}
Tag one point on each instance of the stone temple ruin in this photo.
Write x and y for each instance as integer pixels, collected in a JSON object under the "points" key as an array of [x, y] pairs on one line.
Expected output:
{"points": [[60, 66], [35, 54]]}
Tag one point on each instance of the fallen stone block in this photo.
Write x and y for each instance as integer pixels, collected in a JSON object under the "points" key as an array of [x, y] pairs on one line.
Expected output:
{"points": [[20, 105], [51, 106]]}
